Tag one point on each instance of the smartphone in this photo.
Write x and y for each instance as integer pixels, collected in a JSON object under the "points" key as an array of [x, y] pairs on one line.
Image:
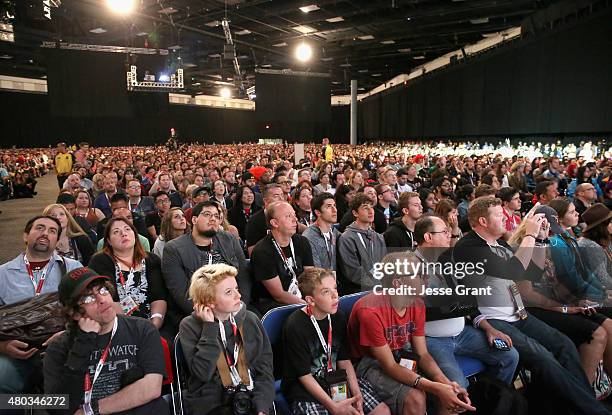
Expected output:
{"points": [[499, 344]]}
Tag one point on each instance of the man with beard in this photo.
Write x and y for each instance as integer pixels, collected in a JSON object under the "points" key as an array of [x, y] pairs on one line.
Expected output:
{"points": [[443, 188], [36, 271], [206, 244]]}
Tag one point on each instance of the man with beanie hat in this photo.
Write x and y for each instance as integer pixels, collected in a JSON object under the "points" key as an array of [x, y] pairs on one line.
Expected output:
{"points": [[105, 362]]}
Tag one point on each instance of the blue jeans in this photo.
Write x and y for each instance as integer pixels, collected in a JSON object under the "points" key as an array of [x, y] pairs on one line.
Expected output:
{"points": [[14, 373], [553, 361], [472, 342]]}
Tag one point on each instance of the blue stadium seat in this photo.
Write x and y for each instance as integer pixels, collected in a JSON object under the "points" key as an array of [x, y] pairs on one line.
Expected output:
{"points": [[273, 322], [470, 366], [348, 301], [182, 370]]}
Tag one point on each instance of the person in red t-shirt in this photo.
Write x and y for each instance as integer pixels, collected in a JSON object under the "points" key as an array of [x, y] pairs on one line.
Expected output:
{"points": [[387, 332], [511, 202]]}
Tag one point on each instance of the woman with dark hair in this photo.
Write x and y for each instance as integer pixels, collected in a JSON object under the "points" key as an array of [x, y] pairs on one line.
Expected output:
{"points": [[344, 195], [84, 209], [20, 188], [137, 275], [428, 200], [596, 242], [173, 225], [446, 209], [300, 202], [244, 207], [570, 266]]}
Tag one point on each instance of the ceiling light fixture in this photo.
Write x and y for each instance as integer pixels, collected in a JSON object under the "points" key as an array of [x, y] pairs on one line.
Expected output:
{"points": [[121, 6], [304, 29], [225, 93], [336, 19], [303, 52], [310, 8]]}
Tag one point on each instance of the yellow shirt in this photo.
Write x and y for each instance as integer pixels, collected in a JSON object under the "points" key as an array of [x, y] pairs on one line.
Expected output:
{"points": [[329, 153], [63, 163]]}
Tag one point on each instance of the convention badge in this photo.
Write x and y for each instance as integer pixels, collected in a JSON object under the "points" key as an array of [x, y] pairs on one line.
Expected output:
{"points": [[337, 384], [518, 301], [408, 360], [294, 289], [128, 305]]}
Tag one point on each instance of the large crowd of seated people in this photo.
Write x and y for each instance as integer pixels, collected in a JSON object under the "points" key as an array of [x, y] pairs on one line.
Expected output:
{"points": [[144, 243]]}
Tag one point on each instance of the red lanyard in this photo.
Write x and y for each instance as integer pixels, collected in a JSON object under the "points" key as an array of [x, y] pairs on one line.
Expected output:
{"points": [[41, 282], [121, 278], [88, 384]]}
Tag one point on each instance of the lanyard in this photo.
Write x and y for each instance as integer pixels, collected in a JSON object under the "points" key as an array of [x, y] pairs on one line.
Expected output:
{"points": [[233, 360], [411, 236], [329, 243], [284, 257], [38, 287], [327, 347], [88, 386], [210, 253], [119, 273], [365, 246], [133, 209]]}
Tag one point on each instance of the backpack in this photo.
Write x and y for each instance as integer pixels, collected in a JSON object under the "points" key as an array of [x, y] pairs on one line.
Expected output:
{"points": [[493, 397]]}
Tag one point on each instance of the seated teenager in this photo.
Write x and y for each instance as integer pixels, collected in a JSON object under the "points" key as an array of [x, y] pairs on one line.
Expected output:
{"points": [[106, 362], [383, 327], [359, 248], [225, 346], [318, 377]]}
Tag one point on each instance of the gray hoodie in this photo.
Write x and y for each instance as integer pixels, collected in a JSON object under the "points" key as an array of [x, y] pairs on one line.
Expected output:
{"points": [[201, 343], [320, 253], [356, 259]]}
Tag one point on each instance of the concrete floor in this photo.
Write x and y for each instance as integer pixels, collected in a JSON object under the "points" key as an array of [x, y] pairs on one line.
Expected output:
{"points": [[16, 212]]}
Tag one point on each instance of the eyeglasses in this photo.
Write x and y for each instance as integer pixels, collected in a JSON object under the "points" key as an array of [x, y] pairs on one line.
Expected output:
{"points": [[209, 215], [445, 231], [91, 298], [163, 201]]}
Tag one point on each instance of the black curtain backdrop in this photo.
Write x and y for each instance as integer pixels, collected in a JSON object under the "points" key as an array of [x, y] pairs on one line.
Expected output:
{"points": [[26, 121], [558, 83], [295, 108]]}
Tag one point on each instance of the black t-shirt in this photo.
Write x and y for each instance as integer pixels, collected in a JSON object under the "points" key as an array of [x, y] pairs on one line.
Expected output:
{"points": [[256, 228], [267, 263], [213, 254], [304, 354], [142, 290], [136, 343], [415, 184], [153, 219]]}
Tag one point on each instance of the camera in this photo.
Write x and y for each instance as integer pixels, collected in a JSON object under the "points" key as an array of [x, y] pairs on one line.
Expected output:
{"points": [[238, 399]]}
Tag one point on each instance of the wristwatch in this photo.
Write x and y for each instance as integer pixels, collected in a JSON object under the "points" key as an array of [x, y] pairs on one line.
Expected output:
{"points": [[564, 309]]}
